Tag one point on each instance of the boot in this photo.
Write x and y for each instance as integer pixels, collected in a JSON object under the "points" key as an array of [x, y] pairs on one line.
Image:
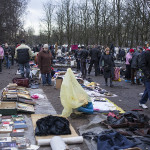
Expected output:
{"points": [[106, 82]]}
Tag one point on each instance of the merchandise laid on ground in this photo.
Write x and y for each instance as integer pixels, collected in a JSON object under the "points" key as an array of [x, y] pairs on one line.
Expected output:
{"points": [[65, 62], [97, 94], [29, 121]]}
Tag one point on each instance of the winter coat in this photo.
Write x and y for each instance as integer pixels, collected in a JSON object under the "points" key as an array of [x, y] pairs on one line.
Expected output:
{"points": [[7, 51], [108, 64], [145, 64], [134, 61], [83, 55], [23, 54], [128, 58], [44, 61], [77, 54], [1, 52], [122, 53], [94, 54]]}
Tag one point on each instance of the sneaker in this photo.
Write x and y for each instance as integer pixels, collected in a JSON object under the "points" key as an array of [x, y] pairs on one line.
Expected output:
{"points": [[143, 106]]}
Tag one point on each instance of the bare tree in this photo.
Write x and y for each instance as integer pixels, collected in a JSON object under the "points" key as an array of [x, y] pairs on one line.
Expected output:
{"points": [[48, 9]]}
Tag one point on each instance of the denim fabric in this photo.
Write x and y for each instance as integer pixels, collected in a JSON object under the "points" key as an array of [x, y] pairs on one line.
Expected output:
{"points": [[146, 94], [113, 140], [27, 67], [78, 64], [46, 78], [7, 62], [83, 69]]}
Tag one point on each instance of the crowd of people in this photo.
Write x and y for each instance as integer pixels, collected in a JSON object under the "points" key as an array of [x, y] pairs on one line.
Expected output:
{"points": [[6, 54], [136, 60]]}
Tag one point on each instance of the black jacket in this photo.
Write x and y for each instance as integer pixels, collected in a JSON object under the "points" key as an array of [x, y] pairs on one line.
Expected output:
{"points": [[23, 56], [134, 61], [7, 51], [122, 53], [83, 54], [107, 60], [108, 64], [77, 54], [145, 64], [95, 54]]}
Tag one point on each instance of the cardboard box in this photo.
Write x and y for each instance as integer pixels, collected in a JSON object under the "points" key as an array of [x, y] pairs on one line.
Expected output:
{"points": [[58, 83], [135, 148], [8, 108]]}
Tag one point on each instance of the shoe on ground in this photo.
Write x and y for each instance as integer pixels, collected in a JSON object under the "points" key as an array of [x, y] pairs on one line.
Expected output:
{"points": [[143, 106]]}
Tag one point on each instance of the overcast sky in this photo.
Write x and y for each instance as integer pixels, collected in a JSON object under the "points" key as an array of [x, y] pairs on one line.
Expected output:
{"points": [[34, 14]]}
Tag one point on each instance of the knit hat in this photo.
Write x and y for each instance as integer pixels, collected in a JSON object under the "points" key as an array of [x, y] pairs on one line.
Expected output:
{"points": [[45, 46], [131, 50]]}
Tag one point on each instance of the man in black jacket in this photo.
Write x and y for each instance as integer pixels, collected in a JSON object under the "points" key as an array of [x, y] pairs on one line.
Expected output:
{"points": [[23, 54], [83, 57], [145, 66], [77, 56], [95, 56], [134, 67]]}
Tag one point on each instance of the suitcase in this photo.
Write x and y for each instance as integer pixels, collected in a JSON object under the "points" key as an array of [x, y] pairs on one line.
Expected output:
{"points": [[21, 81]]}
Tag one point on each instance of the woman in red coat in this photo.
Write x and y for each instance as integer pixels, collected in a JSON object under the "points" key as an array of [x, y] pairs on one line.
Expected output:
{"points": [[44, 63]]}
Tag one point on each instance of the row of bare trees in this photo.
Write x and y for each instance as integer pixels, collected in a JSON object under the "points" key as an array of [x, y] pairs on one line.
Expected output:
{"points": [[11, 24], [121, 22]]}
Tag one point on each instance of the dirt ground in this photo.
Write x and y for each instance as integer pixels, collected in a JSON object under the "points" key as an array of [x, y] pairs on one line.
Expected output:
{"points": [[128, 96]]}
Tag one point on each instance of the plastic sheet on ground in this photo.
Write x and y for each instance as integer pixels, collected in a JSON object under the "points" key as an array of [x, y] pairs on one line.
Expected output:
{"points": [[105, 104], [72, 94], [95, 127]]}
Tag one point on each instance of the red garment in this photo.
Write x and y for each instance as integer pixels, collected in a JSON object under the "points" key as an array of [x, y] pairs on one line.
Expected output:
{"points": [[17, 45]]}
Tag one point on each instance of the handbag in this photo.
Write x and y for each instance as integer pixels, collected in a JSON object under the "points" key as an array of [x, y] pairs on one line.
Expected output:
{"points": [[107, 68], [21, 81]]}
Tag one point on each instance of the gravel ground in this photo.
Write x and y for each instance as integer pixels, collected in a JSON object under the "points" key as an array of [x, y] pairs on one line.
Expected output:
{"points": [[128, 96]]}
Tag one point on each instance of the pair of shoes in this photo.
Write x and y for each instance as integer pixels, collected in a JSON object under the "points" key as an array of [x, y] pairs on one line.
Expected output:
{"points": [[49, 84], [143, 106]]}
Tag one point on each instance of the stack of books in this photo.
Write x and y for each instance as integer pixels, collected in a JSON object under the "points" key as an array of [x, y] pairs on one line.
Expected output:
{"points": [[12, 130]]}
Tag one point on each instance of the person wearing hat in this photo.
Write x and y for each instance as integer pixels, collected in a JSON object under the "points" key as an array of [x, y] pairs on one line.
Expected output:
{"points": [[23, 54], [44, 63], [128, 65], [145, 66], [108, 64]]}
